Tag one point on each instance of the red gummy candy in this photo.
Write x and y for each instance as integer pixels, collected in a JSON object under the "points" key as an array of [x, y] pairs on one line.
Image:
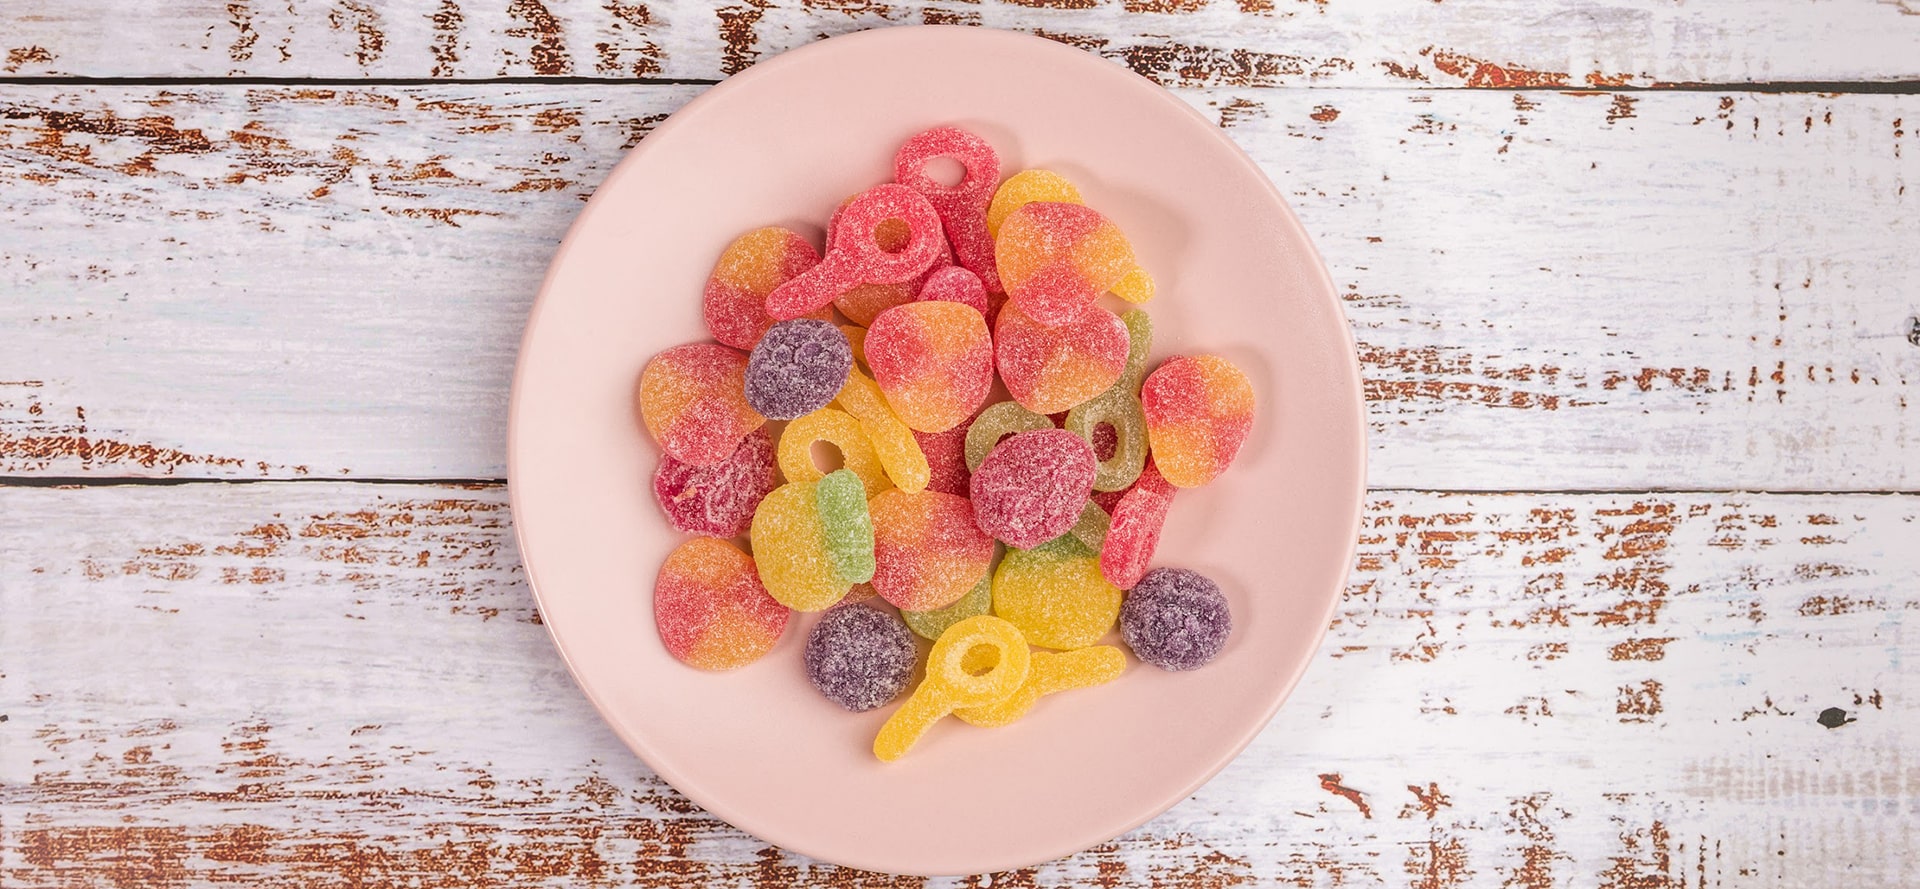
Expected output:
{"points": [[717, 500], [857, 257], [963, 206], [956, 285], [1135, 531], [864, 303], [1033, 486], [947, 458]]}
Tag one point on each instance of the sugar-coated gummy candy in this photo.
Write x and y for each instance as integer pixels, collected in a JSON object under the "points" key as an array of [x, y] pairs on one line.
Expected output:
{"points": [[693, 402], [1032, 487], [1134, 532], [1119, 411], [797, 367], [1091, 528], [856, 341], [718, 499], [1049, 673], [1199, 410], [839, 429], [1056, 259], [1027, 187], [1139, 345], [859, 657], [930, 624], [790, 549], [946, 453], [995, 422], [963, 205], [933, 361], [711, 609], [949, 685], [1051, 369], [846, 526], [1055, 595], [1176, 619], [866, 301], [929, 550], [855, 255], [954, 284], [735, 301], [1108, 500], [860, 592], [893, 442]]}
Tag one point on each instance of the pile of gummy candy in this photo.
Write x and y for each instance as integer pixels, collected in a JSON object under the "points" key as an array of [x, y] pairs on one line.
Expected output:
{"points": [[944, 285]]}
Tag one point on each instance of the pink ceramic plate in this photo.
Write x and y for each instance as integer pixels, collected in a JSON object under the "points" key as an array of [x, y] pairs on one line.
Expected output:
{"points": [[783, 143]]}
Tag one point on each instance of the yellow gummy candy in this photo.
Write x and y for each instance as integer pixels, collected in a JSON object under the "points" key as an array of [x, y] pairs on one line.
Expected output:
{"points": [[839, 429], [893, 442], [790, 549], [950, 685], [1050, 673], [1055, 594], [1026, 187]]}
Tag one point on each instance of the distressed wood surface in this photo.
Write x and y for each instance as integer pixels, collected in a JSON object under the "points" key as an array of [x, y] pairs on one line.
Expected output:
{"points": [[1550, 290], [341, 684], [1471, 43]]}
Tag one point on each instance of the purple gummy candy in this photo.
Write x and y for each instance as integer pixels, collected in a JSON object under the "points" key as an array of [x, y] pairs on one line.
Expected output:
{"points": [[717, 500], [1175, 619], [860, 657], [797, 367]]}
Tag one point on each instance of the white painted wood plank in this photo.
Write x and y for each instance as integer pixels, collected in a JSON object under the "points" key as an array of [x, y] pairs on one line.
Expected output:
{"points": [[1187, 42], [339, 684], [1550, 290]]}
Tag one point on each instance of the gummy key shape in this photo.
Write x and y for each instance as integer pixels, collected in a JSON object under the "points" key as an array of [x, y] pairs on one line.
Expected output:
{"points": [[790, 549], [995, 422], [797, 367], [865, 302], [1135, 531], [718, 499], [963, 205], [1118, 410], [711, 609], [1027, 187], [933, 361], [846, 526], [893, 442], [1056, 259], [1050, 673], [856, 256], [954, 284], [930, 551], [1032, 487], [839, 429], [1176, 619], [1199, 410], [734, 303], [693, 402], [946, 453], [949, 686], [1055, 595], [930, 624], [1052, 369]]}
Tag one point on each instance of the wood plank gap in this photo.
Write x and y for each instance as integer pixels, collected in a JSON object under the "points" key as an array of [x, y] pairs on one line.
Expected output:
{"points": [[1819, 87]]}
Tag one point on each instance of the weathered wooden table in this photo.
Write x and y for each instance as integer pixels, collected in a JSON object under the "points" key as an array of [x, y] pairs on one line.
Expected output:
{"points": [[1633, 283]]}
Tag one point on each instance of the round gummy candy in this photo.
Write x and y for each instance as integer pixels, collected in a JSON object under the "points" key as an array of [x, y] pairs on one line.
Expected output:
{"points": [[859, 657], [710, 609], [1199, 410], [929, 550], [933, 361], [1051, 369], [1055, 595], [797, 368], [995, 422], [930, 624], [735, 301], [1175, 619], [1033, 486], [717, 499], [693, 402]]}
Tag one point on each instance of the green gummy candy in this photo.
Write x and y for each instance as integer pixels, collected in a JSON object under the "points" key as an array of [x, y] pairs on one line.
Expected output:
{"points": [[1119, 408], [996, 422], [1091, 529], [1139, 341], [842, 500], [930, 624]]}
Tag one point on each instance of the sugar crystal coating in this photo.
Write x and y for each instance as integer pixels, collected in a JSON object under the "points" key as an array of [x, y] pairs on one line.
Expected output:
{"points": [[946, 454], [995, 422], [864, 302], [893, 442], [963, 205], [1176, 619], [930, 624], [956, 285], [1055, 595], [797, 368], [735, 301], [1027, 187], [1139, 346], [1032, 487], [846, 526], [839, 429], [1134, 532], [933, 361], [1199, 410], [1051, 673], [1091, 528], [692, 400], [790, 549], [710, 608], [950, 684], [855, 256], [929, 550], [859, 657], [1051, 369], [1056, 259], [717, 499], [1118, 412]]}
